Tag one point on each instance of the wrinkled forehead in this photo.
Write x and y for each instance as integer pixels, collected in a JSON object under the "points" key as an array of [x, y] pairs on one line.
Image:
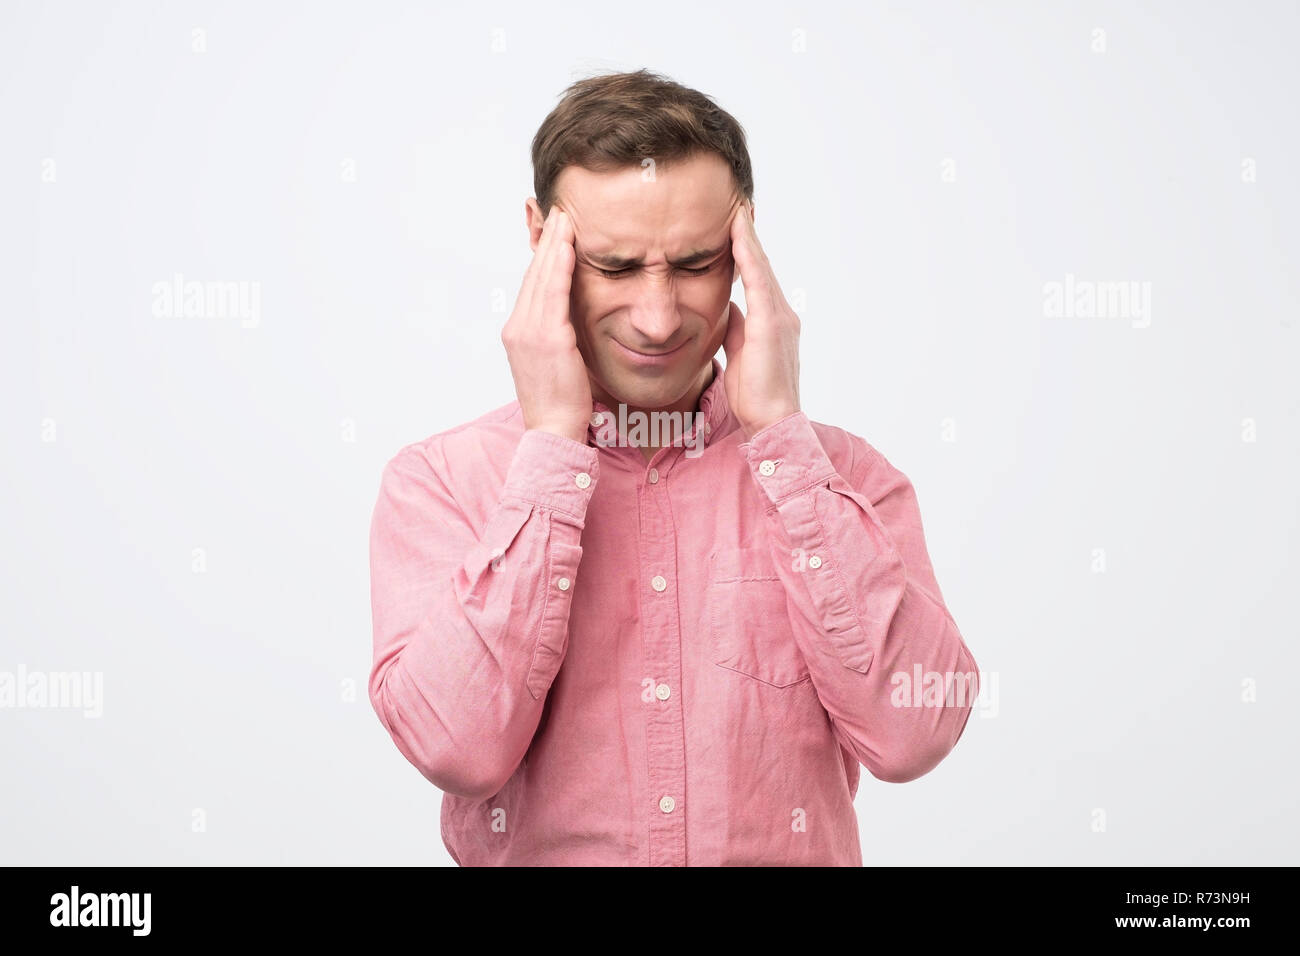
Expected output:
{"points": [[652, 209]]}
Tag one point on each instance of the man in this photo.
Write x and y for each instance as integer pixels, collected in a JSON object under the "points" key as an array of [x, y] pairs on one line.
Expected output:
{"points": [[610, 643]]}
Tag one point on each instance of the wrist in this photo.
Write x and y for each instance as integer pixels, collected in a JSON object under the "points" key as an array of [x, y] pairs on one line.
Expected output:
{"points": [[752, 428], [578, 435]]}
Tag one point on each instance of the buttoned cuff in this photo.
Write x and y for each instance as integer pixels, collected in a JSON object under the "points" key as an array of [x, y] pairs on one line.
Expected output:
{"points": [[553, 471], [786, 458]]}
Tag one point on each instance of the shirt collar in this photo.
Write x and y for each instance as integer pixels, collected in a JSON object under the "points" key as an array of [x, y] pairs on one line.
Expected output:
{"points": [[716, 423]]}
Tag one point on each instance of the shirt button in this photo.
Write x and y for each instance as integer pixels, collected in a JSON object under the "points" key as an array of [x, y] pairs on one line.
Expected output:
{"points": [[582, 479], [658, 583], [814, 562], [653, 476], [562, 584], [667, 804], [598, 419], [766, 467], [662, 691]]}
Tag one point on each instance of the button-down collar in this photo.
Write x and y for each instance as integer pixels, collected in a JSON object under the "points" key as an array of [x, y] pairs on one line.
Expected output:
{"points": [[716, 421]]}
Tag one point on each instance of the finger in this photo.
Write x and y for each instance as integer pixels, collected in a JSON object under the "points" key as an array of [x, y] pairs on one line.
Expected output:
{"points": [[543, 242], [748, 255], [527, 297], [757, 278], [559, 275], [543, 261], [735, 337]]}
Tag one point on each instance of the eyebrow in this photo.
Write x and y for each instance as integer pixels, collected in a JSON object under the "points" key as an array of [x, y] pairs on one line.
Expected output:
{"points": [[615, 262]]}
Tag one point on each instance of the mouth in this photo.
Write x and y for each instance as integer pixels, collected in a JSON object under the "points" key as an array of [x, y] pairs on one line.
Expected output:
{"points": [[649, 358]]}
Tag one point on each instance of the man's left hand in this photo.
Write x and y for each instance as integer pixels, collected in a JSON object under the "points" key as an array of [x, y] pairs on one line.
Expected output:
{"points": [[762, 348]]}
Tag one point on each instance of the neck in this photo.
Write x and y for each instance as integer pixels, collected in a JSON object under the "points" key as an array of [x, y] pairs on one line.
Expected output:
{"points": [[684, 407]]}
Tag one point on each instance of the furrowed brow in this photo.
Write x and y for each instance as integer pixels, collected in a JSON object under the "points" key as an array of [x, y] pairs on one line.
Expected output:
{"points": [[615, 262]]}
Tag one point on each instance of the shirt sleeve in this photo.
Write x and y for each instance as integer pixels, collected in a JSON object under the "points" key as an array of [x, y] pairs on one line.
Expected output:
{"points": [[471, 623], [885, 656]]}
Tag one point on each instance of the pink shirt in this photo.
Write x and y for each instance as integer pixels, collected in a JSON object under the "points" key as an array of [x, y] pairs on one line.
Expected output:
{"points": [[604, 661]]}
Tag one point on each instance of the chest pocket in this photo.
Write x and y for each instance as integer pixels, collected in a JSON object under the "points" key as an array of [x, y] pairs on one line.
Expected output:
{"points": [[749, 622]]}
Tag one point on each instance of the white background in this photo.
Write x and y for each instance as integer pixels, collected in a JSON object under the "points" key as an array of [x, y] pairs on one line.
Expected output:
{"points": [[382, 300]]}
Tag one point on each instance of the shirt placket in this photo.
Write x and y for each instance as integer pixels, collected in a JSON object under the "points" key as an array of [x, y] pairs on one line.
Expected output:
{"points": [[666, 802]]}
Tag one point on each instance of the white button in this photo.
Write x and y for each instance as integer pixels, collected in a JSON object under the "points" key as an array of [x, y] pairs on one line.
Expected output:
{"points": [[667, 804], [766, 467], [707, 428], [814, 562], [582, 479], [658, 583], [662, 691], [598, 419], [654, 476], [562, 584]]}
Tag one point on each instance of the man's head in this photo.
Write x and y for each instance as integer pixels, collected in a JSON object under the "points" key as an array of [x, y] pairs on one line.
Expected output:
{"points": [[650, 173]]}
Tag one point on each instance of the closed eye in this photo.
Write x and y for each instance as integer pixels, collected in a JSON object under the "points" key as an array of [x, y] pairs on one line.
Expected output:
{"points": [[620, 273]]}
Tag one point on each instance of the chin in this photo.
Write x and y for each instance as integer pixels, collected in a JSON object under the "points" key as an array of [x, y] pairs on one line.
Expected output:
{"points": [[652, 390]]}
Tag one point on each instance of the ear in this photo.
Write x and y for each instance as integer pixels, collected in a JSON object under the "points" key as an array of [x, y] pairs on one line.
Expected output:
{"points": [[534, 220]]}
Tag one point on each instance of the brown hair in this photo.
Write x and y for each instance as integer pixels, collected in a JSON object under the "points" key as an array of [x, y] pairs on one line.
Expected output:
{"points": [[614, 120]]}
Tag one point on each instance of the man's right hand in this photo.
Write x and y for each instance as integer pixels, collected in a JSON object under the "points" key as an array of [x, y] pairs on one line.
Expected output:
{"points": [[541, 344]]}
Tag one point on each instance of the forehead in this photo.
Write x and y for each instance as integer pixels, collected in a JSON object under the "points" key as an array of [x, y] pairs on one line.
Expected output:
{"points": [[654, 208]]}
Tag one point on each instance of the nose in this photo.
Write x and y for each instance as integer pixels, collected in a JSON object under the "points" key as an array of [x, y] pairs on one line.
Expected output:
{"points": [[654, 314]]}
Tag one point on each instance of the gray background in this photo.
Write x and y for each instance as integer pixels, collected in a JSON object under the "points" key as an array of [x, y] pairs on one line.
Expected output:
{"points": [[367, 165]]}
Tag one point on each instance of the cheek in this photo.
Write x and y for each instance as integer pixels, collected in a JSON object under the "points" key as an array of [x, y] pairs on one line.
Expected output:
{"points": [[709, 295], [584, 307], [589, 300], [581, 287]]}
